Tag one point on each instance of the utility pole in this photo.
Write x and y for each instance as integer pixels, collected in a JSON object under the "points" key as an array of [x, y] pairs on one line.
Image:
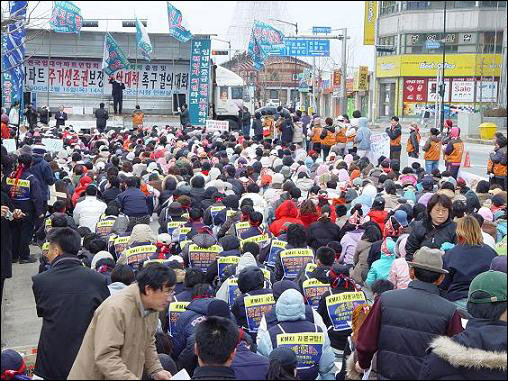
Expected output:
{"points": [[442, 87], [344, 72]]}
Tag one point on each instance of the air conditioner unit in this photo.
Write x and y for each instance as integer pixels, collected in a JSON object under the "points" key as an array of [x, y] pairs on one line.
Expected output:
{"points": [[295, 77]]}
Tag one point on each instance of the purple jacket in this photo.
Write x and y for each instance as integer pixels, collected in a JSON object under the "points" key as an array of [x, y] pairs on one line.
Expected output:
{"points": [[349, 242]]}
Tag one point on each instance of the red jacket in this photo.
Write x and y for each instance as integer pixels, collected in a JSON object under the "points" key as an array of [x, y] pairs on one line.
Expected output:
{"points": [[379, 217], [84, 182], [6, 134], [308, 219], [285, 215]]}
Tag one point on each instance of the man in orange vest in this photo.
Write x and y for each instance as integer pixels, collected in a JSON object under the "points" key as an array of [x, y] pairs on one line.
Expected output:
{"points": [[453, 152], [496, 166], [432, 149], [395, 134], [413, 143]]}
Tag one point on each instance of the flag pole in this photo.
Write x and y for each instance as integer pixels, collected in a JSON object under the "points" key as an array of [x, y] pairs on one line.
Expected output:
{"points": [[137, 82]]}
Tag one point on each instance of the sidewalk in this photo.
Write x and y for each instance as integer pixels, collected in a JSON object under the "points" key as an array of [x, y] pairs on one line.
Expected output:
{"points": [[20, 324]]}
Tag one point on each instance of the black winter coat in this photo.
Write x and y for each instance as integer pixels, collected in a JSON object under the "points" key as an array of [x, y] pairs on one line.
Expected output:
{"points": [[66, 313], [432, 237], [464, 263], [320, 233], [257, 126], [453, 358], [6, 240], [102, 116]]}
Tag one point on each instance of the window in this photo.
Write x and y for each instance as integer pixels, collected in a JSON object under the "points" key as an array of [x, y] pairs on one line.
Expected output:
{"points": [[487, 41], [388, 41], [388, 7], [274, 94], [492, 4], [432, 43], [237, 92], [224, 93]]}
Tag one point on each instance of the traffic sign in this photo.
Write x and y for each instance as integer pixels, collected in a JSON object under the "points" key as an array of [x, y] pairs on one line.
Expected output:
{"points": [[321, 29], [220, 52], [303, 48]]}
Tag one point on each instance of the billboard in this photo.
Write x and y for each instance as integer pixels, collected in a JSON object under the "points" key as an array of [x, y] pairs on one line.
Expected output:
{"points": [[369, 23]]}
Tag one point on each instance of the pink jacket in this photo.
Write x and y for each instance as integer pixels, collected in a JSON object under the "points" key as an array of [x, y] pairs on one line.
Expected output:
{"points": [[399, 273]]}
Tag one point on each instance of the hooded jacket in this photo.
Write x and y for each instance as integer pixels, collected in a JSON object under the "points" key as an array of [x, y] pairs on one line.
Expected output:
{"points": [[42, 171], [290, 310], [250, 282], [245, 260], [380, 269], [478, 353], [204, 240], [186, 324], [362, 138], [359, 272], [379, 217], [285, 215]]}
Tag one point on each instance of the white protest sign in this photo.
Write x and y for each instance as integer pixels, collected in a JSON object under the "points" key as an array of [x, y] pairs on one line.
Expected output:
{"points": [[9, 144], [53, 145], [379, 146], [217, 125]]}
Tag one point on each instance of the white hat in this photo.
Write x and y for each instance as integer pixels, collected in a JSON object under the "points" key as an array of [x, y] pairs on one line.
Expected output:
{"points": [[130, 156], [152, 167], [100, 255], [164, 238]]}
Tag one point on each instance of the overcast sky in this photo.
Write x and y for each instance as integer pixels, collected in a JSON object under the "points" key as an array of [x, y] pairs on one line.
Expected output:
{"points": [[216, 17]]}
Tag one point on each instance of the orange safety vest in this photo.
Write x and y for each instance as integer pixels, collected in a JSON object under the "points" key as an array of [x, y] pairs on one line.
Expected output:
{"points": [[329, 140], [456, 155], [497, 169], [316, 132], [137, 118], [434, 152], [409, 147], [341, 135], [396, 142], [351, 139]]}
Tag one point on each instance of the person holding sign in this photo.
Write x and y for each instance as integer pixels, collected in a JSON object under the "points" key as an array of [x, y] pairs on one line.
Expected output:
{"points": [[309, 342], [402, 323], [336, 306]]}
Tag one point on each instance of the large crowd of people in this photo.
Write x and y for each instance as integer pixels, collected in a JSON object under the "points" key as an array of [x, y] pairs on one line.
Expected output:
{"points": [[283, 251]]}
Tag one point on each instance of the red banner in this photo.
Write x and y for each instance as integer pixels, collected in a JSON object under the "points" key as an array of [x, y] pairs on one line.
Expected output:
{"points": [[415, 90]]}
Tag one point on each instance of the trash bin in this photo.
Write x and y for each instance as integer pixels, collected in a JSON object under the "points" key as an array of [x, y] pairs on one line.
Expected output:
{"points": [[487, 131]]}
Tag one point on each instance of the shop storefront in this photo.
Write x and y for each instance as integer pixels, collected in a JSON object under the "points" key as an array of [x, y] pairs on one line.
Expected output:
{"points": [[407, 84]]}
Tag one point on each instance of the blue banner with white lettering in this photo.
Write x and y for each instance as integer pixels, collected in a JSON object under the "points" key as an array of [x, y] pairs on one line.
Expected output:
{"points": [[13, 55], [176, 29], [143, 41], [66, 18], [199, 81], [263, 39], [113, 58], [303, 48]]}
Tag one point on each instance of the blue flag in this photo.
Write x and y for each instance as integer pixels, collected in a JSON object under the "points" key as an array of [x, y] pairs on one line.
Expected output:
{"points": [[113, 58], [143, 41], [176, 29], [263, 39], [66, 18], [14, 53]]}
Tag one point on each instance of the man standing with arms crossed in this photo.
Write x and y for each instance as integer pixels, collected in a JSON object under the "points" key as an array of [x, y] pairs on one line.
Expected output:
{"points": [[394, 132]]}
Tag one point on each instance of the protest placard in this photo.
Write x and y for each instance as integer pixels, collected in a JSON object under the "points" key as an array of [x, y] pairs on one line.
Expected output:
{"points": [[217, 125], [53, 145]]}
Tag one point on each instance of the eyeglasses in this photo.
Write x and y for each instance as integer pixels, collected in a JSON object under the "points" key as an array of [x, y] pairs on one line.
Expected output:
{"points": [[169, 292]]}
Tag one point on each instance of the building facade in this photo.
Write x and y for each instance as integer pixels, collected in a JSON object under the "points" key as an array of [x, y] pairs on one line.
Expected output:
{"points": [[406, 78], [278, 81], [72, 67]]}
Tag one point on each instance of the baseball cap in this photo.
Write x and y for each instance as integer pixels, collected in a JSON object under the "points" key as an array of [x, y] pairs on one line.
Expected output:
{"points": [[401, 217], [492, 283], [428, 259]]}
